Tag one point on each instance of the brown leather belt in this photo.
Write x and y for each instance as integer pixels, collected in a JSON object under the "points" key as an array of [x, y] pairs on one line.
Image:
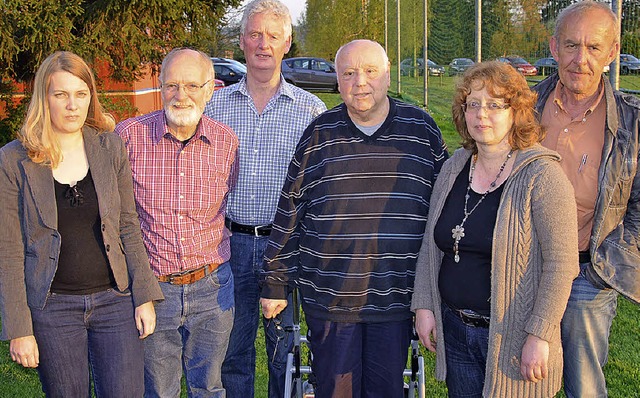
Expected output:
{"points": [[190, 276]]}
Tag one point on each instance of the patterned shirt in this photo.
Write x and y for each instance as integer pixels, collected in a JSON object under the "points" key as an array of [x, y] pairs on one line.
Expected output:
{"points": [[181, 190], [267, 143], [352, 215]]}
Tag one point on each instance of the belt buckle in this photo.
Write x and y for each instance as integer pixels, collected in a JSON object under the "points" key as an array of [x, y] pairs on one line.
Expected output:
{"points": [[173, 276], [256, 230], [471, 318]]}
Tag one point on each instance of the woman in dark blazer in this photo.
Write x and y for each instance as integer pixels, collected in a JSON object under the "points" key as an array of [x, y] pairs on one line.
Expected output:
{"points": [[76, 290]]}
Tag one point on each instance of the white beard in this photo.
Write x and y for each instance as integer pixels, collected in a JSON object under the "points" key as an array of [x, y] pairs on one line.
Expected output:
{"points": [[183, 117]]}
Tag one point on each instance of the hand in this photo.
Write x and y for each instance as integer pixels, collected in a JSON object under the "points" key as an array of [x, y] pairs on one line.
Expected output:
{"points": [[535, 358], [426, 328], [272, 307], [24, 351], [145, 319]]}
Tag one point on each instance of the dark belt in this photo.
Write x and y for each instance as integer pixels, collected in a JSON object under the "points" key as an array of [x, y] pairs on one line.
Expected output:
{"points": [[190, 276], [471, 318], [257, 230], [584, 257]]}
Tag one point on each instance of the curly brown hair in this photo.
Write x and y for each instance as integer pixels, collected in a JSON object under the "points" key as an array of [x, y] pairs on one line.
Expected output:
{"points": [[501, 81]]}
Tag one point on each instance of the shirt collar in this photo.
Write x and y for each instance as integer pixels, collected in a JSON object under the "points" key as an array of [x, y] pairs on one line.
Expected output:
{"points": [[162, 130], [560, 89], [285, 88]]}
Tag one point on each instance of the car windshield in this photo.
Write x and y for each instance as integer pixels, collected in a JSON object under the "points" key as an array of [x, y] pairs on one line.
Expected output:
{"points": [[518, 60], [431, 63], [465, 61], [629, 58]]}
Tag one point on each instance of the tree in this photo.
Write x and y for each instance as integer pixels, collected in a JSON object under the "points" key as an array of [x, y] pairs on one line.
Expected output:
{"points": [[328, 24], [126, 34]]}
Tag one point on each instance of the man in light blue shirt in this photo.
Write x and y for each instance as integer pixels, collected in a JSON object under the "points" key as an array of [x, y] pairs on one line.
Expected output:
{"points": [[269, 115]]}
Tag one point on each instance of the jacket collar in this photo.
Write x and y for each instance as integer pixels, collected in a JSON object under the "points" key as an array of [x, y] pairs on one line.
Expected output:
{"points": [[40, 179], [546, 87], [100, 164]]}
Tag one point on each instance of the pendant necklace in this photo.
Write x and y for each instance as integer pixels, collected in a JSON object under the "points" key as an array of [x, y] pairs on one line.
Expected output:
{"points": [[458, 232]]}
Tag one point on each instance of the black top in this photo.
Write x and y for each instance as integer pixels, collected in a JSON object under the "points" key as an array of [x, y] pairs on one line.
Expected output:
{"points": [[83, 267], [467, 284]]}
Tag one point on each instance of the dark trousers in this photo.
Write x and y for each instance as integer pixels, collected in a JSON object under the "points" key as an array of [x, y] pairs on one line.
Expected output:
{"points": [[359, 359], [238, 369]]}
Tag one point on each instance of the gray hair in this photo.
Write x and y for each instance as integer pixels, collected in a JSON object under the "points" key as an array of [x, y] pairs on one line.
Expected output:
{"points": [[384, 53], [581, 8], [204, 59], [274, 7]]}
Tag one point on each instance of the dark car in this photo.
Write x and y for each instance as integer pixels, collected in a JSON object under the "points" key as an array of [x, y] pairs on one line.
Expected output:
{"points": [[459, 65], [546, 66], [310, 73], [629, 64], [218, 60], [229, 73], [520, 64], [406, 67]]}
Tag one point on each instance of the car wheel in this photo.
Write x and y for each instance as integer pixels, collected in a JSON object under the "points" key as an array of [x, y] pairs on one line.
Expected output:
{"points": [[624, 70], [335, 88]]}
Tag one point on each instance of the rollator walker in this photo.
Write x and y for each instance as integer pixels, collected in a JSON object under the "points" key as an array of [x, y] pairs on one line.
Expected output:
{"points": [[299, 382]]}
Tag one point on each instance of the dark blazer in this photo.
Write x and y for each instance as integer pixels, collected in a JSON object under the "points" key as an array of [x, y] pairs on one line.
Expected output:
{"points": [[30, 241]]}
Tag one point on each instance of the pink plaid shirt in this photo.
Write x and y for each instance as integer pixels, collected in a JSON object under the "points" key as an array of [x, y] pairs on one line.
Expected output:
{"points": [[181, 192]]}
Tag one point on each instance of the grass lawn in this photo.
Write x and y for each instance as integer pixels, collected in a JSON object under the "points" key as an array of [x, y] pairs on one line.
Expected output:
{"points": [[622, 371]]}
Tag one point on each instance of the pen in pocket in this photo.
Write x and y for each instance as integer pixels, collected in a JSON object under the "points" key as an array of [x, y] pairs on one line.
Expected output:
{"points": [[582, 162]]}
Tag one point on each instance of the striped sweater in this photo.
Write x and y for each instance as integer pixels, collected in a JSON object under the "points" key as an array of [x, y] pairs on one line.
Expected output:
{"points": [[352, 213]]}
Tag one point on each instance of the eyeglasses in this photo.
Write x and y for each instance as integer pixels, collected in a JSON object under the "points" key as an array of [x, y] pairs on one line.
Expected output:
{"points": [[475, 106], [190, 88]]}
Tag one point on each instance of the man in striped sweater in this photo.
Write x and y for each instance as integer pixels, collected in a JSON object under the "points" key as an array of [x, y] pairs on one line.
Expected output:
{"points": [[349, 226]]}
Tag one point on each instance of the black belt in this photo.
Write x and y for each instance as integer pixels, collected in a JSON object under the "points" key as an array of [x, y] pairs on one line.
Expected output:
{"points": [[584, 257], [471, 318], [257, 230]]}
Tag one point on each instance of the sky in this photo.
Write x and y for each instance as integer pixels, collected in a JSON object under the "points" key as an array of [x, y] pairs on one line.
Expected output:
{"points": [[295, 8]]}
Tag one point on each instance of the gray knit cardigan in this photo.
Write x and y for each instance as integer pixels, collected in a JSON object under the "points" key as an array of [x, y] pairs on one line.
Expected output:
{"points": [[534, 261]]}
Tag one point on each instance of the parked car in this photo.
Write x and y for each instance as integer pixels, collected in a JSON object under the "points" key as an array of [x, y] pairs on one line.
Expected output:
{"points": [[218, 60], [310, 73], [229, 73], [434, 69], [629, 64], [406, 67], [546, 66], [459, 65], [520, 64]]}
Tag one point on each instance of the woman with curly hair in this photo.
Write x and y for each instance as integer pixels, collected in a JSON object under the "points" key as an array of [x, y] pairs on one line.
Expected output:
{"points": [[500, 249]]}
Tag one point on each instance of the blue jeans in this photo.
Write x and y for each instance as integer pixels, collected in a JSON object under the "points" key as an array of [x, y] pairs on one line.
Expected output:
{"points": [[466, 355], [95, 331], [238, 369], [585, 337], [192, 334], [359, 359]]}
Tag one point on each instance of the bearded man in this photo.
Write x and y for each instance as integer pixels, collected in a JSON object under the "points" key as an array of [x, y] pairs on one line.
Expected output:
{"points": [[184, 164]]}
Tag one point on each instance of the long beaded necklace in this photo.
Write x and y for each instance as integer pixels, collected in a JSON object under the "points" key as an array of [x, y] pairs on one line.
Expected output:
{"points": [[458, 231]]}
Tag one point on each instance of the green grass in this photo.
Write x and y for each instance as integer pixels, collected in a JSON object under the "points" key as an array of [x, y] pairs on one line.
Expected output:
{"points": [[622, 371]]}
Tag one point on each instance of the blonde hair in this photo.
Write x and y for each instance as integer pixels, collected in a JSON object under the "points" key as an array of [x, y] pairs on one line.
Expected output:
{"points": [[36, 134]]}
